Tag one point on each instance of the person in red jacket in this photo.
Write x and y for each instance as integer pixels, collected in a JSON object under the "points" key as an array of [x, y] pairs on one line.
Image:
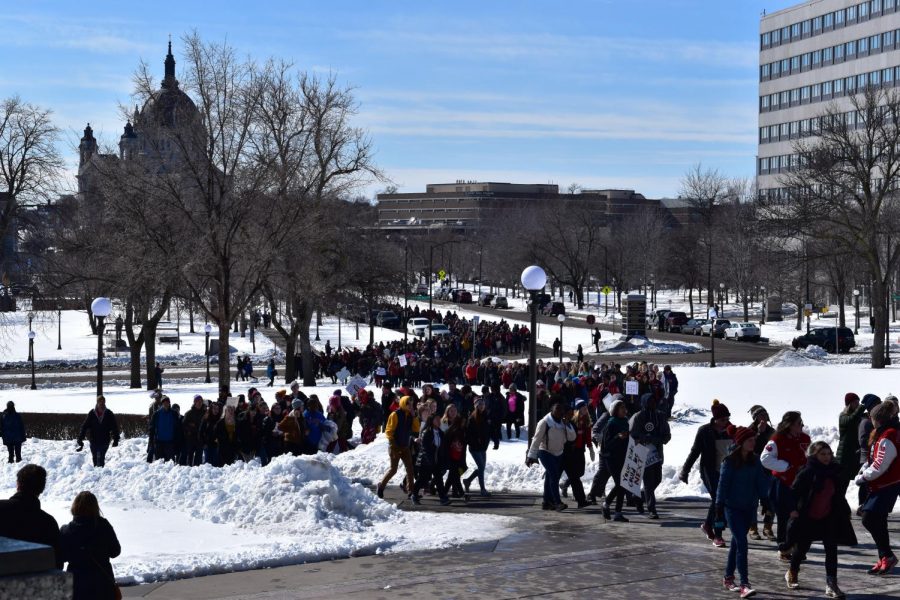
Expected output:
{"points": [[882, 475], [784, 455]]}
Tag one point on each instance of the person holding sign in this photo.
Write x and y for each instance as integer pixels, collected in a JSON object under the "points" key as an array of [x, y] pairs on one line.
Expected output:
{"points": [[650, 428], [742, 481], [613, 449]]}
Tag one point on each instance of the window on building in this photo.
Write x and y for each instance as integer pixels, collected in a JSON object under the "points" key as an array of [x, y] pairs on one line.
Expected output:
{"points": [[876, 6], [850, 84], [785, 35], [763, 165], [839, 52], [795, 96], [817, 58], [850, 48], [805, 60], [863, 45], [838, 86], [862, 80], [795, 128], [875, 43], [764, 72], [807, 27], [828, 20], [785, 66], [765, 40], [776, 69], [838, 17], [763, 134], [776, 36], [826, 88], [816, 91], [851, 13], [875, 78], [795, 64], [887, 38], [784, 131], [804, 93], [887, 76], [863, 10], [888, 4], [795, 31]]}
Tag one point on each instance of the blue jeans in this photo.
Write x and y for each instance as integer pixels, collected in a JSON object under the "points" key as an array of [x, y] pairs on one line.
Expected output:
{"points": [[552, 472], [480, 458], [739, 521]]}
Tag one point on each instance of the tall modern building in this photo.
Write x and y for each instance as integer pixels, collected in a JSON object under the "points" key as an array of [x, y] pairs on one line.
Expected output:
{"points": [[813, 54]]}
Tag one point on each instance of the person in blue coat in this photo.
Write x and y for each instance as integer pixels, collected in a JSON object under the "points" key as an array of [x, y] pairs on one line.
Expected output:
{"points": [[314, 417], [164, 427], [12, 429], [742, 480]]}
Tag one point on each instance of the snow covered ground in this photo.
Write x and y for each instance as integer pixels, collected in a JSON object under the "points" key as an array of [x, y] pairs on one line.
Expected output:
{"points": [[177, 522]]}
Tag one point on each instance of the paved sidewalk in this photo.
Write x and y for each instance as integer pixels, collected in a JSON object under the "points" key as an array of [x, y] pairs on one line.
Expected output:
{"points": [[574, 554]]}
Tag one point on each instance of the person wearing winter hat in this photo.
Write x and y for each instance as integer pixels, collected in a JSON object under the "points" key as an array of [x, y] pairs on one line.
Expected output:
{"points": [[613, 450], [764, 430], [882, 476], [784, 455], [650, 427], [847, 455], [869, 402], [742, 481], [711, 445]]}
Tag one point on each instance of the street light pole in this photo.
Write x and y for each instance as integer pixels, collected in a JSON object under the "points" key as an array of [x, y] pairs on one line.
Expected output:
{"points": [[59, 328], [207, 329], [856, 309], [764, 302], [561, 319], [100, 307], [533, 279], [31, 356]]}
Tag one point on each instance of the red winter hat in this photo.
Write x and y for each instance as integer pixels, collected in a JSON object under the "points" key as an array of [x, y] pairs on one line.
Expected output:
{"points": [[740, 434], [719, 410], [850, 398]]}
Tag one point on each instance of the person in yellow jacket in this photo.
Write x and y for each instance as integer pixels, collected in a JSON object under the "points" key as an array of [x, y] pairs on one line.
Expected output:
{"points": [[401, 426]]}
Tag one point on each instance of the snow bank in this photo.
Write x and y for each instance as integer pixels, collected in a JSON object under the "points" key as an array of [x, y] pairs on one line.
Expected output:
{"points": [[294, 510], [795, 358], [642, 345]]}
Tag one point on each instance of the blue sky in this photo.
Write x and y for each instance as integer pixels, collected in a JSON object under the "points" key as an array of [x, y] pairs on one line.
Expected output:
{"points": [[625, 94]]}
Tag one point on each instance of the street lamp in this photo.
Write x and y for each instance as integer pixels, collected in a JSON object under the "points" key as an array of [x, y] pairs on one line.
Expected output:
{"points": [[653, 291], [722, 297], [30, 319], [562, 319], [59, 328], [100, 308], [712, 314], [31, 356], [856, 307], [765, 304], [533, 279], [207, 329]]}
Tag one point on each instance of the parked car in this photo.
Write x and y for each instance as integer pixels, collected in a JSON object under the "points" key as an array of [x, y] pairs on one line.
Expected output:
{"points": [[824, 337], [721, 324], [742, 331], [421, 289], [675, 321], [484, 299], [464, 297], [692, 327], [500, 302], [416, 326], [437, 329], [657, 319], [387, 318], [553, 309]]}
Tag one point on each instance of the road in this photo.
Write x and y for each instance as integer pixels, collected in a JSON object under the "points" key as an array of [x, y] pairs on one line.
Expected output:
{"points": [[727, 351]]}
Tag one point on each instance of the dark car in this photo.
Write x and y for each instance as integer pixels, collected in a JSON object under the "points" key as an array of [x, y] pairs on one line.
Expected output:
{"points": [[692, 327], [658, 319], [554, 308], [824, 337], [675, 321], [484, 299], [464, 297], [387, 318], [500, 302]]}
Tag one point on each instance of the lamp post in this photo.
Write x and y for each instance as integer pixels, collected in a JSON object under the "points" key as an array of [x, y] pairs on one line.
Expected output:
{"points": [[722, 298], [100, 308], [764, 303], [30, 319], [31, 356], [533, 279], [318, 322], [856, 308], [653, 291], [59, 328], [561, 319], [207, 329]]}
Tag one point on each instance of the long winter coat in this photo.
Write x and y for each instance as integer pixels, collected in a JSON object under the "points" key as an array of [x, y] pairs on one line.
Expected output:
{"points": [[12, 428], [847, 454], [836, 526], [87, 544], [100, 431]]}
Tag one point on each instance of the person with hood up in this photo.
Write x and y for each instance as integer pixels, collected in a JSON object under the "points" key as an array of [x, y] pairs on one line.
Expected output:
{"points": [[163, 428], [764, 431], [650, 427], [547, 446], [742, 481], [821, 513], [401, 425], [12, 430], [711, 445], [882, 476], [784, 456], [315, 418], [613, 449], [431, 462], [100, 426], [869, 401]]}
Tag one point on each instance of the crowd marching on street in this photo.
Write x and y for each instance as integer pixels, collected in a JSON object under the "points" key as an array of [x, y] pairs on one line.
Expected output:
{"points": [[468, 401]]}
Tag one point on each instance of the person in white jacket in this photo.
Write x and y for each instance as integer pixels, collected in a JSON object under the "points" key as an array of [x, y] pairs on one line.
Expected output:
{"points": [[550, 437]]}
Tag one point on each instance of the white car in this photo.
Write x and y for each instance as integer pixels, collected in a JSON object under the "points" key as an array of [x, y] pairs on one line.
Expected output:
{"points": [[742, 331], [417, 326], [437, 329]]}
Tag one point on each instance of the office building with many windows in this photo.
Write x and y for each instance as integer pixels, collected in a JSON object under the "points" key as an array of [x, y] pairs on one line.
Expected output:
{"points": [[813, 54]]}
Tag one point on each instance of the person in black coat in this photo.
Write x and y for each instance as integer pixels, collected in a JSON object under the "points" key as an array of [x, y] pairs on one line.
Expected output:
{"points": [[431, 461], [12, 430], [87, 543], [613, 450], [821, 513], [496, 406], [100, 425], [21, 517], [478, 438]]}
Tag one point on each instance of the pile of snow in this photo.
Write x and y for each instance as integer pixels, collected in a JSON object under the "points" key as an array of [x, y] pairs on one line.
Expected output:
{"points": [[642, 345], [795, 358], [178, 521]]}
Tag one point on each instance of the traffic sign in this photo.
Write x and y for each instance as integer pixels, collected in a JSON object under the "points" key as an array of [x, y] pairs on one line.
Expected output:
{"points": [[606, 290], [442, 274]]}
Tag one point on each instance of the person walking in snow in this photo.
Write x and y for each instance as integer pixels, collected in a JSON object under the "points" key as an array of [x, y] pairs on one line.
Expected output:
{"points": [[573, 454], [271, 372], [742, 481], [431, 461], [88, 543], [882, 476], [784, 456], [649, 427], [711, 445], [763, 429], [478, 438], [821, 513], [847, 455], [596, 339], [547, 446], [613, 449], [399, 431], [12, 430], [100, 426]]}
